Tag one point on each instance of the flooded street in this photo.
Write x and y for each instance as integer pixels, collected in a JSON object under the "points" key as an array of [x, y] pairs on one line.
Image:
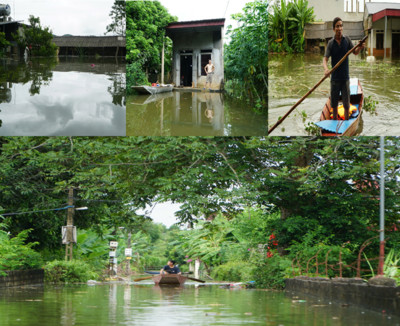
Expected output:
{"points": [[291, 76], [64, 97], [191, 114], [146, 304]]}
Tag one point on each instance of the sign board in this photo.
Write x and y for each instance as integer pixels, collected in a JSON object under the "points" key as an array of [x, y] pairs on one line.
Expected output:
{"points": [[128, 252], [112, 253], [115, 261], [68, 234], [113, 244], [128, 257]]}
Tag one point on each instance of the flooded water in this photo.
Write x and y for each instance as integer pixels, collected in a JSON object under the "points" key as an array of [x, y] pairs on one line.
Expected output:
{"points": [[292, 76], [65, 97], [191, 114], [112, 304]]}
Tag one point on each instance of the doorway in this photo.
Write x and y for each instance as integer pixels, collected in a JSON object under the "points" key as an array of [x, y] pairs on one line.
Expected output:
{"points": [[396, 45], [186, 70]]}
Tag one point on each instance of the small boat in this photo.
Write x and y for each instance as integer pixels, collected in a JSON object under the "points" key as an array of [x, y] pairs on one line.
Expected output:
{"points": [[330, 127], [153, 89], [169, 279]]}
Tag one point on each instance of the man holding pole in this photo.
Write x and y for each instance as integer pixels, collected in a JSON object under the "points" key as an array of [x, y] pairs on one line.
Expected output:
{"points": [[337, 48]]}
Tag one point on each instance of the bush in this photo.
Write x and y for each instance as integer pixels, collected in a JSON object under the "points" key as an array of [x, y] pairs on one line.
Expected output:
{"points": [[272, 272], [235, 271], [74, 271], [15, 255], [135, 76]]}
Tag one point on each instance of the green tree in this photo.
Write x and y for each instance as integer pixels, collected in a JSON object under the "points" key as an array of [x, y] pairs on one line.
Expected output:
{"points": [[118, 15], [246, 55], [38, 39], [3, 43], [145, 24]]}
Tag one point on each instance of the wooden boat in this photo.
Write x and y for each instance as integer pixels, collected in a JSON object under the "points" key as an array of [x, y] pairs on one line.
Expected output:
{"points": [[330, 127], [153, 89], [169, 279]]}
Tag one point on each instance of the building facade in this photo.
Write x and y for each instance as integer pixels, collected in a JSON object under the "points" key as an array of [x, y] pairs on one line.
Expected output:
{"points": [[194, 44]]}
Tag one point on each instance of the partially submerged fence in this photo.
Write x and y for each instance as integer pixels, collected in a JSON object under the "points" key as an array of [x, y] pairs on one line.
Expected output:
{"points": [[313, 265], [18, 278]]}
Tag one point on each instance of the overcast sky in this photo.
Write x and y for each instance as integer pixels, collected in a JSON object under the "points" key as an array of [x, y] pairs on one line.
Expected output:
{"points": [[76, 17]]}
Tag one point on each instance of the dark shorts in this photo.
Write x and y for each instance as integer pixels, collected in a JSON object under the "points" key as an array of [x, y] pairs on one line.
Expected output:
{"points": [[337, 87]]}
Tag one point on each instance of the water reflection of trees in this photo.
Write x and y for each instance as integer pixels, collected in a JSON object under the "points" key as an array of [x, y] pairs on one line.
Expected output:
{"points": [[38, 72], [117, 89]]}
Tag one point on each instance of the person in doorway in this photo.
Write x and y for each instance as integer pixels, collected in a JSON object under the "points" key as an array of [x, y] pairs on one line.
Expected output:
{"points": [[337, 47], [170, 268], [209, 69]]}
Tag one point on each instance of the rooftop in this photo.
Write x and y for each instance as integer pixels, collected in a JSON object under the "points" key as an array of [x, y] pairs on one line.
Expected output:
{"points": [[89, 41], [197, 25]]}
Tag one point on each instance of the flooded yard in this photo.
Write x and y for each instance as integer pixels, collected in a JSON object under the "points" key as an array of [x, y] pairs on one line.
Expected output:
{"points": [[62, 97], [192, 114], [291, 76], [146, 304]]}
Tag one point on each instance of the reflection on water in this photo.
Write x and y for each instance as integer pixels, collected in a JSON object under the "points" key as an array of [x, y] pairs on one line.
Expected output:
{"points": [[67, 97], [191, 114], [292, 76], [116, 304]]}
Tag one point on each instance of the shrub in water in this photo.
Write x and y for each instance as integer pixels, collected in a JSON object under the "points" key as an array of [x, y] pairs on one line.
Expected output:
{"points": [[60, 271], [234, 271]]}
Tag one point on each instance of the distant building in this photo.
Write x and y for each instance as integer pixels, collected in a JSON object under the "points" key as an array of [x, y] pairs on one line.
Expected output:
{"points": [[382, 20], [194, 44], [91, 45]]}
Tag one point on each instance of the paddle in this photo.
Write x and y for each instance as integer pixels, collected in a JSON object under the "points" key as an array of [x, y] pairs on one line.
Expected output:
{"points": [[142, 278], [195, 279], [312, 89]]}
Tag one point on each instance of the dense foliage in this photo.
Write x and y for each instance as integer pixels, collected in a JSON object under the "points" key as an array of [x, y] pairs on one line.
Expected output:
{"points": [[74, 271], [16, 254], [38, 39], [246, 55], [293, 195], [3, 43], [145, 25], [287, 25]]}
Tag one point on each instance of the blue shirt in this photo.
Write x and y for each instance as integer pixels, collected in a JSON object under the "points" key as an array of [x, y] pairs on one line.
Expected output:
{"points": [[171, 270], [337, 52]]}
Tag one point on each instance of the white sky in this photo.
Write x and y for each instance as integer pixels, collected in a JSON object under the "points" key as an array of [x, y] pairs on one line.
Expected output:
{"points": [[76, 17], [187, 10], [162, 213]]}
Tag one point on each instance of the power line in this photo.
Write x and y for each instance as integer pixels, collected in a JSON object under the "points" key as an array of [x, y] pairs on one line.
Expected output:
{"points": [[40, 211], [226, 9]]}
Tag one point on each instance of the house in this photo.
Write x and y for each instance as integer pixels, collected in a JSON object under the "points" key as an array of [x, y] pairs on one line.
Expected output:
{"points": [[90, 45], [194, 44], [382, 20]]}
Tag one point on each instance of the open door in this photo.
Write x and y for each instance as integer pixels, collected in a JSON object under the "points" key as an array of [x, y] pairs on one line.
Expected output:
{"points": [[396, 45], [186, 74]]}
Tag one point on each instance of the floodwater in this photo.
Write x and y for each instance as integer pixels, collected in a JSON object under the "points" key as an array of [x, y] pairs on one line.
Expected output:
{"points": [[112, 304], [191, 114], [62, 97], [291, 76]]}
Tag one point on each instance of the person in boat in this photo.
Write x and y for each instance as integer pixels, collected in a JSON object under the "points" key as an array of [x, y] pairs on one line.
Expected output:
{"points": [[337, 47], [209, 69], [170, 268]]}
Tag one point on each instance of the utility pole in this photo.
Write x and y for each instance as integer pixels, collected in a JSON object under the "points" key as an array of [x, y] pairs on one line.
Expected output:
{"points": [[382, 209], [70, 230]]}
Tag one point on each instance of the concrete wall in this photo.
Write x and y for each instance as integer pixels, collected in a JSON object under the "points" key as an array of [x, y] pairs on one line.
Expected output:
{"points": [[327, 10], [18, 278], [197, 41], [349, 291]]}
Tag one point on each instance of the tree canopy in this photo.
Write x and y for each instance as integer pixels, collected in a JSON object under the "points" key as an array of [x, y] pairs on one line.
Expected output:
{"points": [[326, 185], [246, 55], [118, 16]]}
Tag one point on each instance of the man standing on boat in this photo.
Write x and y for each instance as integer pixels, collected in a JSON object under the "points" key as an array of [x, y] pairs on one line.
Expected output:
{"points": [[209, 69], [337, 47], [170, 268]]}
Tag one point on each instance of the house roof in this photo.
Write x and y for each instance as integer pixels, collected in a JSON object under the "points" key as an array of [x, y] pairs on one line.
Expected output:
{"points": [[380, 10], [89, 41], [197, 25]]}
